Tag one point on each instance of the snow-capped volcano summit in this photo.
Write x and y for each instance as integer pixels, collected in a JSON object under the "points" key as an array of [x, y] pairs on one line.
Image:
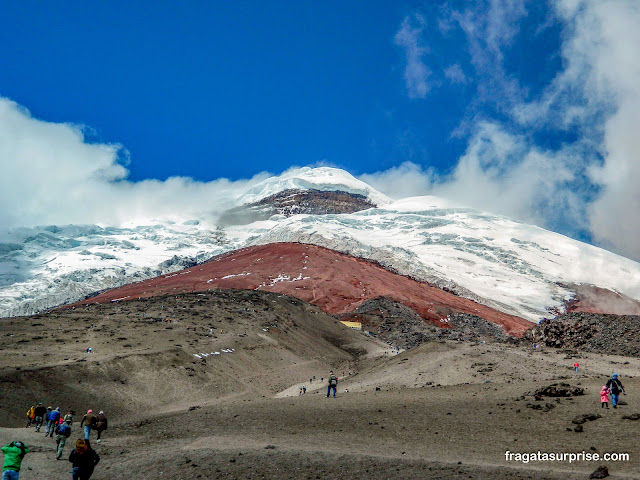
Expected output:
{"points": [[516, 268], [325, 179]]}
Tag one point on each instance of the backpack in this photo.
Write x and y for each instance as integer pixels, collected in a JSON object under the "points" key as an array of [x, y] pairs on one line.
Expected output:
{"points": [[64, 430], [333, 380]]}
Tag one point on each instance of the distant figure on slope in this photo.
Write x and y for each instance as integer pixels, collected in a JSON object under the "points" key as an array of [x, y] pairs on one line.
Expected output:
{"points": [[54, 416], [84, 460], [575, 367], [30, 415], [333, 383], [616, 387], [89, 421], [39, 413], [604, 396], [101, 424], [13, 455], [63, 431]]}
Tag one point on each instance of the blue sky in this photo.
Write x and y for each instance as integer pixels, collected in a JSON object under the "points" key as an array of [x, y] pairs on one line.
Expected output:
{"points": [[518, 107]]}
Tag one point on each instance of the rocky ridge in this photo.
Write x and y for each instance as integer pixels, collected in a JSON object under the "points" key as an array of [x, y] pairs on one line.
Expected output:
{"points": [[598, 333]]}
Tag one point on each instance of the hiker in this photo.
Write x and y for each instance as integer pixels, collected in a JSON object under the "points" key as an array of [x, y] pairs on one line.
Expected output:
{"points": [[89, 421], [84, 459], [39, 413], [63, 431], [575, 367], [304, 389], [54, 416], [616, 387], [333, 383], [101, 424], [30, 415], [68, 417], [46, 421], [13, 455], [604, 396]]}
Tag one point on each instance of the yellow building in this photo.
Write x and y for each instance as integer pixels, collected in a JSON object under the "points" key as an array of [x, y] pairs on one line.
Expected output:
{"points": [[354, 325]]}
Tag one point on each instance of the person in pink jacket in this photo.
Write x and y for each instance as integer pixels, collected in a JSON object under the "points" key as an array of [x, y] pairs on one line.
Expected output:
{"points": [[604, 396]]}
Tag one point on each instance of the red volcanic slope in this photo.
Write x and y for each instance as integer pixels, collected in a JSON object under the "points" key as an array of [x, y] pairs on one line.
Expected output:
{"points": [[335, 282]]}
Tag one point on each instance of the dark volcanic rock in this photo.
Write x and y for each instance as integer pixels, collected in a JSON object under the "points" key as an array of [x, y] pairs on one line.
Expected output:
{"points": [[598, 333], [559, 390], [399, 325], [580, 419], [633, 416], [293, 202], [600, 472]]}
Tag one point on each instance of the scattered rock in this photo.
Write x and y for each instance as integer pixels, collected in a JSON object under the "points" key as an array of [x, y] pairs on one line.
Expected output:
{"points": [[633, 416], [580, 419], [558, 390], [600, 472], [545, 408]]}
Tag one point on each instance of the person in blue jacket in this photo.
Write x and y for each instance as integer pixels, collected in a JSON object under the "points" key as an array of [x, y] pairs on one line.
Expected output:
{"points": [[52, 421]]}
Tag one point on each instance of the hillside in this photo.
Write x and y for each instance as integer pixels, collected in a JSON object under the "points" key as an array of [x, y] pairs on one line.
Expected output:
{"points": [[424, 413], [144, 352], [335, 282]]}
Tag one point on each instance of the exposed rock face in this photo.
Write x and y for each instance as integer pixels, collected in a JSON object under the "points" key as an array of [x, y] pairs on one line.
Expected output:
{"points": [[337, 283], [613, 334], [397, 324], [293, 202]]}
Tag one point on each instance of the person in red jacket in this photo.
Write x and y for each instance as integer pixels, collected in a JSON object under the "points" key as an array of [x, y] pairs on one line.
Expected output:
{"points": [[575, 366]]}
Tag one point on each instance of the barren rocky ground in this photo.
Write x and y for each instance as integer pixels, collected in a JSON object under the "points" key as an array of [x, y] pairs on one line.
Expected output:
{"points": [[447, 409]]}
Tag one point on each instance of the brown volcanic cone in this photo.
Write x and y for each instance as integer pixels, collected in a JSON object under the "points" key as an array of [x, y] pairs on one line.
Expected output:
{"points": [[335, 282]]}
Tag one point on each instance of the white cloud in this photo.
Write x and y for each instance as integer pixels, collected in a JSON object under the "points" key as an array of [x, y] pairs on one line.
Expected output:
{"points": [[589, 185], [597, 94], [455, 74], [416, 72], [50, 175], [490, 28], [405, 180], [501, 173]]}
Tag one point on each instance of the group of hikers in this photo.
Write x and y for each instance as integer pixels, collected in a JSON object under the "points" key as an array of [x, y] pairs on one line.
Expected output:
{"points": [[83, 457]]}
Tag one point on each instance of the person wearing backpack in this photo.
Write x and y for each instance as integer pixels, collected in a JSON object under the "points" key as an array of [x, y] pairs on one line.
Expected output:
{"points": [[68, 417], [54, 416], [63, 431], [333, 383], [616, 388], [13, 455]]}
